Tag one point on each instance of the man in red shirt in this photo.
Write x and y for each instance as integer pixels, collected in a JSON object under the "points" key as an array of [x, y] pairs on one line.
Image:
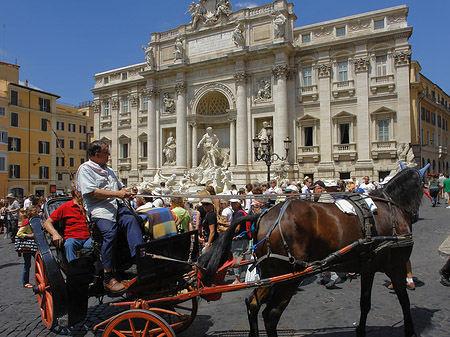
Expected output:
{"points": [[76, 231]]}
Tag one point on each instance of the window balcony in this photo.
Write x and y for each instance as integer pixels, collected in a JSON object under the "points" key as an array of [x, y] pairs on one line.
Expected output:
{"points": [[308, 154], [309, 91], [344, 151], [142, 164], [345, 87], [386, 81], [124, 163], [384, 149]]}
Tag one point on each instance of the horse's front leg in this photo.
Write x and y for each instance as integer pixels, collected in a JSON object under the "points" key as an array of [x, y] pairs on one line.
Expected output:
{"points": [[365, 302], [253, 303], [279, 300], [399, 284]]}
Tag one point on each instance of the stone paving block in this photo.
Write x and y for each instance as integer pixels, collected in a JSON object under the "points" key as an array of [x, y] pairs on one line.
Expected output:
{"points": [[444, 249]]}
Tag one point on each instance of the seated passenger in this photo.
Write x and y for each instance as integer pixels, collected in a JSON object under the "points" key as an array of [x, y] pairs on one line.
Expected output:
{"points": [[102, 194], [76, 231]]}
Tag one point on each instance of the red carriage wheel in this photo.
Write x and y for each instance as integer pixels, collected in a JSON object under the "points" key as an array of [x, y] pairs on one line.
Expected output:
{"points": [[186, 311], [44, 293], [138, 323]]}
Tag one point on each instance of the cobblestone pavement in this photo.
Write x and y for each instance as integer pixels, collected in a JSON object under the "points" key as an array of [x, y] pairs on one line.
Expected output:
{"points": [[313, 311]]}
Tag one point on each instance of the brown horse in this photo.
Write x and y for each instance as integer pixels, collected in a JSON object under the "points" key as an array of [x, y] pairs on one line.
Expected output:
{"points": [[312, 231]]}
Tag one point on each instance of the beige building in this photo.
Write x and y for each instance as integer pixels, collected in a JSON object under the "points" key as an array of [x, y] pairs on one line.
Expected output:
{"points": [[339, 89], [431, 110]]}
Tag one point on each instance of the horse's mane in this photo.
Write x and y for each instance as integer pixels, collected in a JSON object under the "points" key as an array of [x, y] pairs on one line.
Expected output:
{"points": [[217, 255], [405, 189]]}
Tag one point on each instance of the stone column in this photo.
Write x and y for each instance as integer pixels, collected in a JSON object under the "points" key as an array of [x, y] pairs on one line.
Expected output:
{"points": [[134, 144], [281, 116], [326, 144], [115, 150], [189, 146], [363, 142], [151, 128], [232, 141], [402, 61], [181, 124], [241, 118], [194, 145]]}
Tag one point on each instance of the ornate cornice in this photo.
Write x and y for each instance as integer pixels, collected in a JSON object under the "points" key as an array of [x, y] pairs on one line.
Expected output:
{"points": [[361, 64], [242, 77], [180, 87], [280, 71], [402, 58], [324, 70]]}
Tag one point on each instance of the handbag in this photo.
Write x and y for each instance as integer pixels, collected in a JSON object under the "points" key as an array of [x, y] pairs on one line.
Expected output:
{"points": [[25, 245]]}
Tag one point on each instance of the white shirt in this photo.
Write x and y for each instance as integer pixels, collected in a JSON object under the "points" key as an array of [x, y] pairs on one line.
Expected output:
{"points": [[26, 204], [90, 177], [306, 190], [228, 212], [367, 187]]}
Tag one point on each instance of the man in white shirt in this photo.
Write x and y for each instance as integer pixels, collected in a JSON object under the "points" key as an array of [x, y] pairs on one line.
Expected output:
{"points": [[367, 186], [273, 189], [306, 189]]}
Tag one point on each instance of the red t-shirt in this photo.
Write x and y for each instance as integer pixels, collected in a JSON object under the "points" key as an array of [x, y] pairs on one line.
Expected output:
{"points": [[74, 220]]}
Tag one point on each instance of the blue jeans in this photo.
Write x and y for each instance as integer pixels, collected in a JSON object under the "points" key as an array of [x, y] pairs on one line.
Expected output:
{"points": [[73, 245], [239, 247], [26, 267], [108, 228]]}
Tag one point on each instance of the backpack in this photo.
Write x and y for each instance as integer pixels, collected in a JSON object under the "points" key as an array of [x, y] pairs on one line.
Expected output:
{"points": [[248, 225]]}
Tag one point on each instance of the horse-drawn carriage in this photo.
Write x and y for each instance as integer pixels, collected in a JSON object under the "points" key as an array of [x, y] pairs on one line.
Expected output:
{"points": [[294, 239], [63, 288]]}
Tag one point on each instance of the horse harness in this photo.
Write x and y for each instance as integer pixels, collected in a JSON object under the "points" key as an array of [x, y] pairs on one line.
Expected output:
{"points": [[371, 241]]}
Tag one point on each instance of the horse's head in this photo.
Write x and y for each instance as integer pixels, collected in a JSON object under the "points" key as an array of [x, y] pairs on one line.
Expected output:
{"points": [[406, 188]]}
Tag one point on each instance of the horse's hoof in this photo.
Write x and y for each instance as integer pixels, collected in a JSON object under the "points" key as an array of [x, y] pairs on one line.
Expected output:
{"points": [[360, 332]]}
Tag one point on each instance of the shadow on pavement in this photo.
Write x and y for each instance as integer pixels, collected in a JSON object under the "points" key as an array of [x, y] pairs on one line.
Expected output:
{"points": [[6, 265], [422, 321]]}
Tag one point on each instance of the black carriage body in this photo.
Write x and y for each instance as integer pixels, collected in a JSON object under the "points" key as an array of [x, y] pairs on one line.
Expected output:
{"points": [[182, 247]]}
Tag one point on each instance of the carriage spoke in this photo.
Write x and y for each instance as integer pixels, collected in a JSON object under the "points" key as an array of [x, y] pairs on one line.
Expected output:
{"points": [[118, 333], [133, 329]]}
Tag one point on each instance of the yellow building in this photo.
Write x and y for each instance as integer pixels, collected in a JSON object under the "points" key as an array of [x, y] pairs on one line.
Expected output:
{"points": [[430, 107], [31, 162], [73, 126], [29, 140], [8, 73]]}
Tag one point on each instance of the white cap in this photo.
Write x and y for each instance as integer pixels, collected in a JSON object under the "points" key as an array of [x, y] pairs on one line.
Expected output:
{"points": [[235, 200], [291, 188]]}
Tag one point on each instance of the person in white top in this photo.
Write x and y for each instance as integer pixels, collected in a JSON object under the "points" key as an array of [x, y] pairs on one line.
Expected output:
{"points": [[356, 182], [367, 186], [27, 202], [306, 189]]}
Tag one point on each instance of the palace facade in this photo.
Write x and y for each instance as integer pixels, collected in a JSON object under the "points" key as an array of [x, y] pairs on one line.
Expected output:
{"points": [[340, 90]]}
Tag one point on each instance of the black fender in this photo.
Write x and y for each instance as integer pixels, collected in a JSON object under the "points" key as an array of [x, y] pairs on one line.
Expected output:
{"points": [[55, 278]]}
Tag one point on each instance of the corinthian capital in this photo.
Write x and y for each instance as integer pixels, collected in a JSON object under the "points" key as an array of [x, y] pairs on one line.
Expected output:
{"points": [[361, 64], [151, 92], [241, 77], [114, 103], [324, 70], [134, 100], [181, 87], [402, 58], [280, 71], [96, 106]]}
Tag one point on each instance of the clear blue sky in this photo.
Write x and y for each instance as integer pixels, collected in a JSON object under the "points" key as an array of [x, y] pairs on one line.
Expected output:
{"points": [[61, 44]]}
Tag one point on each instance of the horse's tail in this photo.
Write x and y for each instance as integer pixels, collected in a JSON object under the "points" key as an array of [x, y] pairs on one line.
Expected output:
{"points": [[217, 255]]}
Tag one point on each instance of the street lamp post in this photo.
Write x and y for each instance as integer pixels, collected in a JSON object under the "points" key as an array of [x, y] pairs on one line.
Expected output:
{"points": [[263, 150]]}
